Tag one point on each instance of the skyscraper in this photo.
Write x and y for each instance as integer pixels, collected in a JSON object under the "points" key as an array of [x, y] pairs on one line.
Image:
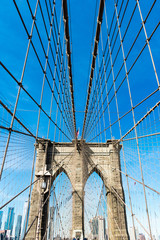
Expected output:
{"points": [[101, 228], [94, 227], [24, 219], [98, 228], [10, 220], [18, 227], [51, 223], [1, 215], [131, 231]]}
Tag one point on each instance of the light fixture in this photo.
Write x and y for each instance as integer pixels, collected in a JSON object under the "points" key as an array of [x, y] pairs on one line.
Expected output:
{"points": [[44, 185]]}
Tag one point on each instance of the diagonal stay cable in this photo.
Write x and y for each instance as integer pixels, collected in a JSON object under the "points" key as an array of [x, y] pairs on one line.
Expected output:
{"points": [[32, 98], [11, 113], [103, 70], [19, 89], [130, 48], [33, 46], [58, 53], [134, 64], [18, 194], [103, 62]]}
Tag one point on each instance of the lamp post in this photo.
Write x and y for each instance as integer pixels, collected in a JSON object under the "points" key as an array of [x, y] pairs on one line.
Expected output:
{"points": [[43, 188]]}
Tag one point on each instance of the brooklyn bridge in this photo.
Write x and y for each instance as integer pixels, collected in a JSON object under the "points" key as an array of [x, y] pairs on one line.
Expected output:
{"points": [[79, 120]]}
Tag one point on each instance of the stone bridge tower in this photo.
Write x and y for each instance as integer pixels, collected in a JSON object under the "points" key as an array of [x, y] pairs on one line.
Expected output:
{"points": [[78, 161]]}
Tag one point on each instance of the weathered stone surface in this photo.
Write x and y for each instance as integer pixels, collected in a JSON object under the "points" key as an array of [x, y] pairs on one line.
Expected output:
{"points": [[79, 162]]}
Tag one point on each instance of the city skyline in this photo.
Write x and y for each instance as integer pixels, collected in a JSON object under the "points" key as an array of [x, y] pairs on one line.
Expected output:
{"points": [[14, 222]]}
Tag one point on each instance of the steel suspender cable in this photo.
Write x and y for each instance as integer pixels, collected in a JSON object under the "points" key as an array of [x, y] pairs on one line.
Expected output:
{"points": [[99, 22], [66, 24]]}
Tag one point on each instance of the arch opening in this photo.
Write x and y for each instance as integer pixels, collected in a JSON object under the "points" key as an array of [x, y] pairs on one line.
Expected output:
{"points": [[60, 207], [95, 207]]}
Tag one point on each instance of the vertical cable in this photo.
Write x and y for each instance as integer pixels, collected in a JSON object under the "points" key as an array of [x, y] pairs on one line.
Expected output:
{"points": [[139, 157], [147, 40], [29, 196], [19, 89], [117, 108]]}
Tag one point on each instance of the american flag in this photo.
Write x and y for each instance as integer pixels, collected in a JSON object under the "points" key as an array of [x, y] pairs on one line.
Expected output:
{"points": [[77, 133]]}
